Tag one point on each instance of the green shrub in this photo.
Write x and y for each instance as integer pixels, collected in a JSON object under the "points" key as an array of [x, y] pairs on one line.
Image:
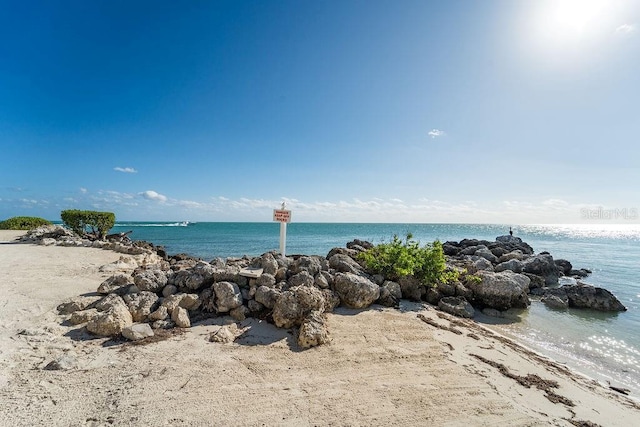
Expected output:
{"points": [[92, 223], [407, 258], [23, 223]]}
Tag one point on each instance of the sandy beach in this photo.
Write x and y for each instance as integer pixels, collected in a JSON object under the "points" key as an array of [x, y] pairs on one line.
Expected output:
{"points": [[414, 366]]}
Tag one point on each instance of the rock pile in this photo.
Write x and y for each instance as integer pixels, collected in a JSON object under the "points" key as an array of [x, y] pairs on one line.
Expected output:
{"points": [[155, 291], [507, 271]]}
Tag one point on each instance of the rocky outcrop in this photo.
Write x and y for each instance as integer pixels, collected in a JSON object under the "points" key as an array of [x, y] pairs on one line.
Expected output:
{"points": [[501, 291], [584, 295], [159, 291]]}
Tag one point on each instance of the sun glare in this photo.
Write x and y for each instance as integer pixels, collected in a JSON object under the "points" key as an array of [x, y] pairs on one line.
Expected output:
{"points": [[569, 31], [574, 18]]}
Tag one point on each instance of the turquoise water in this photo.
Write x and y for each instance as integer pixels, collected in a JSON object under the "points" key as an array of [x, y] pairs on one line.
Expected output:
{"points": [[604, 346]]}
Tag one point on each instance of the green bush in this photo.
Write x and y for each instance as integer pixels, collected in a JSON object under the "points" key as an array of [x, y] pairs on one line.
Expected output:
{"points": [[407, 258], [23, 223], [91, 223]]}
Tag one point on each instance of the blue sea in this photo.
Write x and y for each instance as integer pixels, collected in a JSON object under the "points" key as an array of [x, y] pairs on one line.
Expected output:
{"points": [[601, 345]]}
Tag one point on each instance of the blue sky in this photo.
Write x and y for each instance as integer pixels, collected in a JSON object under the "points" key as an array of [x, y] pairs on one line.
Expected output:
{"points": [[365, 111]]}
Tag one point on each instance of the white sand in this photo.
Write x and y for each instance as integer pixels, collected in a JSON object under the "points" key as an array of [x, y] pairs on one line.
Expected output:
{"points": [[383, 367]]}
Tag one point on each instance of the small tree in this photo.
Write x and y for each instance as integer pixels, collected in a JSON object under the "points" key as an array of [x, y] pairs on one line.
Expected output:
{"points": [[397, 259], [99, 223], [23, 223]]}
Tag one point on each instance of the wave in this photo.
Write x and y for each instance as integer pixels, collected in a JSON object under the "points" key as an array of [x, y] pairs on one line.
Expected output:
{"points": [[155, 224]]}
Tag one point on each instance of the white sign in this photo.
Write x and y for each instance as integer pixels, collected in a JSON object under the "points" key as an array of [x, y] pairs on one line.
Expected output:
{"points": [[281, 215]]}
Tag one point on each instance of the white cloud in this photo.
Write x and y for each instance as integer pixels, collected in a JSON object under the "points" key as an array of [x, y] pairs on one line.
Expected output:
{"points": [[83, 190], [152, 195], [125, 170], [436, 133], [625, 29]]}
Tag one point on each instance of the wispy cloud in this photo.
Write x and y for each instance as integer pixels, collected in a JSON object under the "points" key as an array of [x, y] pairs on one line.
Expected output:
{"points": [[152, 195], [436, 133], [625, 29], [125, 170]]}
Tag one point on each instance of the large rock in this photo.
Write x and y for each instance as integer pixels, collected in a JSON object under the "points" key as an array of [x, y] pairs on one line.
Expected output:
{"points": [[83, 316], [310, 264], [109, 301], [150, 280], [313, 331], [78, 304], [344, 264], [295, 304], [267, 296], [304, 278], [118, 284], [355, 291], [514, 265], [268, 264], [181, 317], [411, 288], [141, 304], [228, 296], [500, 290], [486, 254], [458, 306], [542, 265], [583, 295], [112, 322], [137, 331], [555, 301], [390, 294]]}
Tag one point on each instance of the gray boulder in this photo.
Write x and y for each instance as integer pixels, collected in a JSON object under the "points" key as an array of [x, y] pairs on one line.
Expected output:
{"points": [[314, 330], [514, 265], [141, 304], [355, 291], [500, 290], [295, 304], [310, 264], [344, 264], [150, 280], [458, 306], [78, 304], [181, 317], [267, 296], [516, 254], [111, 322], [109, 301], [268, 264], [266, 279], [584, 295], [411, 288], [118, 284], [331, 300], [228, 296], [83, 316], [137, 331], [304, 278], [555, 301], [542, 265], [486, 254]]}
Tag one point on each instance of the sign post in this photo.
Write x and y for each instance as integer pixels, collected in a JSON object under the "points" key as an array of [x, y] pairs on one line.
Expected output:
{"points": [[282, 216]]}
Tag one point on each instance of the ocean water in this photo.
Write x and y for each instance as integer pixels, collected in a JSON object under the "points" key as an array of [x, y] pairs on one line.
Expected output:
{"points": [[605, 346]]}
